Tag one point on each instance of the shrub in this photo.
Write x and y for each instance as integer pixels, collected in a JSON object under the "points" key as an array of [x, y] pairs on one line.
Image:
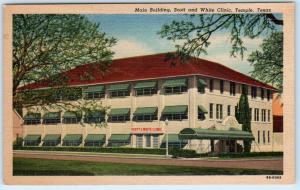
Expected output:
{"points": [[176, 152], [18, 141]]}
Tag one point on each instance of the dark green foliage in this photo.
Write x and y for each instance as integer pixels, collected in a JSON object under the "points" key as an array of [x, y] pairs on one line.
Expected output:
{"points": [[268, 62], [18, 142], [184, 153], [196, 30], [244, 154], [243, 117]]}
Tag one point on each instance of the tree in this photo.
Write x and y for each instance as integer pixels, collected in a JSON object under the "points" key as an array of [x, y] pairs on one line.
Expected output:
{"points": [[243, 116], [44, 46], [196, 31], [268, 65]]}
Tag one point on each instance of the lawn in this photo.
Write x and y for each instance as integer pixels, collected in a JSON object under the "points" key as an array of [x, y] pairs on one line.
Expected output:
{"points": [[43, 167]]}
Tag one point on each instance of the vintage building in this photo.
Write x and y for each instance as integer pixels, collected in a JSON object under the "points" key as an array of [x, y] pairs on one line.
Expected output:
{"points": [[151, 96]]}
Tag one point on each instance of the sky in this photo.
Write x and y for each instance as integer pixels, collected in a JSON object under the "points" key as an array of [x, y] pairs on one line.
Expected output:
{"points": [[136, 34]]}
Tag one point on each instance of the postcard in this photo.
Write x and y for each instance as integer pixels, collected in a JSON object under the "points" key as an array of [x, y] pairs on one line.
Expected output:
{"points": [[197, 93]]}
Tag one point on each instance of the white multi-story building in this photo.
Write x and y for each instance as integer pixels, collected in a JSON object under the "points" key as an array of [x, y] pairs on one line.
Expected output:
{"points": [[143, 92]]}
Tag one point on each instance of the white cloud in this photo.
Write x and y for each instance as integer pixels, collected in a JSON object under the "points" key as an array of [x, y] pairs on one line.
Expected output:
{"points": [[128, 48]]}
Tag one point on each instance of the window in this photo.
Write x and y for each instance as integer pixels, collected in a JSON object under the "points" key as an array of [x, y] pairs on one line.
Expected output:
{"points": [[253, 92], [258, 137], [221, 86], [120, 93], [264, 137], [211, 85], [155, 141], [71, 143], [32, 121], [201, 89], [139, 141], [232, 88], [262, 93], [148, 141], [268, 95], [51, 121], [263, 115], [71, 120], [175, 116], [93, 95], [117, 118], [211, 111], [219, 111], [269, 115], [201, 115], [146, 91], [256, 114], [228, 110], [94, 119], [175, 90], [250, 110], [145, 117], [268, 136], [244, 89]]}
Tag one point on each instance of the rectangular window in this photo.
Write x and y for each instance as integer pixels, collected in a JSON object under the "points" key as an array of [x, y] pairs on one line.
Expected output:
{"points": [[263, 115], [256, 114], [221, 86], [174, 117], [262, 93], [51, 121], [211, 111], [264, 137], [148, 141], [120, 93], [228, 110], [211, 85], [258, 137], [269, 115], [268, 95], [71, 120], [232, 88], [219, 111], [91, 119], [268, 136], [139, 141], [117, 118], [93, 95], [32, 121], [146, 91], [145, 117], [175, 90], [155, 141], [253, 92]]}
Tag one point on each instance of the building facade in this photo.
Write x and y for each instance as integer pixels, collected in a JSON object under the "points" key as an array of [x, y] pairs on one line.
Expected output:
{"points": [[149, 97]]}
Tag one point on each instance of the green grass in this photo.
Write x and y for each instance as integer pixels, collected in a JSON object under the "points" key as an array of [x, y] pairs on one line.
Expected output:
{"points": [[43, 167]]}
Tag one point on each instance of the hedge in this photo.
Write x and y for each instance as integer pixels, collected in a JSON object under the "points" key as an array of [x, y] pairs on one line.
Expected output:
{"points": [[176, 152], [242, 155]]}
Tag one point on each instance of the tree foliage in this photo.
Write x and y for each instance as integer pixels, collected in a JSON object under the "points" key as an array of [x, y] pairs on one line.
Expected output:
{"points": [[46, 45], [268, 62], [196, 31]]}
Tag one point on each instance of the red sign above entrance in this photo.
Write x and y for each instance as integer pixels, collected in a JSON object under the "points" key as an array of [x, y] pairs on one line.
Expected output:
{"points": [[146, 130]]}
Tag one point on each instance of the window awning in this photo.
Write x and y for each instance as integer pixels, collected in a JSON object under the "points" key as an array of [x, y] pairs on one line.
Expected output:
{"points": [[145, 84], [116, 87], [197, 133], [52, 115], [95, 138], [202, 109], [32, 116], [52, 137], [175, 109], [32, 138], [119, 111], [98, 88], [120, 137], [146, 111], [175, 82], [73, 137], [201, 82], [95, 113], [72, 114], [173, 138]]}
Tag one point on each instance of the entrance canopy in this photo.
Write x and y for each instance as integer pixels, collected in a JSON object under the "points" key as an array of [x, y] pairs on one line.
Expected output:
{"points": [[198, 133]]}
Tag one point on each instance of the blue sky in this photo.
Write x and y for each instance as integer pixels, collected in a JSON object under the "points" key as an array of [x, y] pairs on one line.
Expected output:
{"points": [[137, 35]]}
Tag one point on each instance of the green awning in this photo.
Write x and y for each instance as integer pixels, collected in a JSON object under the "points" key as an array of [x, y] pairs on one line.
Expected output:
{"points": [[120, 137], [146, 84], [201, 82], [115, 87], [73, 137], [175, 109], [32, 138], [202, 109], [31, 115], [172, 138], [72, 114], [146, 111], [198, 133], [175, 82], [98, 88], [119, 111], [52, 137], [95, 137], [52, 115], [95, 113]]}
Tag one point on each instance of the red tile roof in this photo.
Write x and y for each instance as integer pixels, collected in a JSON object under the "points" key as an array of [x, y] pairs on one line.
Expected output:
{"points": [[152, 67]]}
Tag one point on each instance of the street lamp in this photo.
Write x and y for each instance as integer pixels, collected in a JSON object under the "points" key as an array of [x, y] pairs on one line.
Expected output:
{"points": [[167, 138]]}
